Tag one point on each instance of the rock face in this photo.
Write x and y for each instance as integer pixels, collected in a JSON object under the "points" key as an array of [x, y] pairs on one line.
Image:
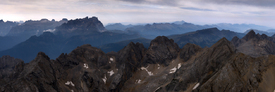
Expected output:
{"points": [[163, 67], [10, 68], [255, 45], [30, 27], [80, 27], [161, 50]]}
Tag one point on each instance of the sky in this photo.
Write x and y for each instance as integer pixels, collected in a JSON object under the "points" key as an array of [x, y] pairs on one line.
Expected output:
{"points": [[260, 12]]}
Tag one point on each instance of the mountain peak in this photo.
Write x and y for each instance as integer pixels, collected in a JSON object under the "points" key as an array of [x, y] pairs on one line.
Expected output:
{"points": [[224, 44], [80, 26], [42, 55], [161, 40], [235, 38], [188, 50], [161, 50], [251, 34], [209, 30]]}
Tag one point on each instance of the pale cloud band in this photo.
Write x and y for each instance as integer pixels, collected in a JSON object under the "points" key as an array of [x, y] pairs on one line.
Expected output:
{"points": [[134, 11]]}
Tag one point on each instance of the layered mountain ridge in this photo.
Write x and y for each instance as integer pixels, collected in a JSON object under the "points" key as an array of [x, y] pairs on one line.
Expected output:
{"points": [[164, 66], [254, 44]]}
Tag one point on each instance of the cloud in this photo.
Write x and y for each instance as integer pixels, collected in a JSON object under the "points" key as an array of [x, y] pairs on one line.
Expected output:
{"points": [[196, 9], [261, 3], [155, 2]]}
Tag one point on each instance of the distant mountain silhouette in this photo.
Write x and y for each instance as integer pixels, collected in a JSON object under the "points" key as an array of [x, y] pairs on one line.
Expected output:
{"points": [[156, 29], [268, 33], [5, 27], [238, 27], [55, 43], [117, 26], [80, 27], [204, 37], [30, 27], [24, 31]]}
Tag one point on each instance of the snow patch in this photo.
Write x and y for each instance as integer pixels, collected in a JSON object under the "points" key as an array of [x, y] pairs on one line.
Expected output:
{"points": [[173, 70], [150, 73], [158, 66], [72, 90], [111, 60], [49, 30], [157, 89], [111, 72], [104, 79], [86, 66], [69, 82], [138, 81], [179, 65], [197, 85]]}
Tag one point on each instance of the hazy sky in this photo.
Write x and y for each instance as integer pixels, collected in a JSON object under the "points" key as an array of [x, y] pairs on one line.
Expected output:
{"points": [[261, 12]]}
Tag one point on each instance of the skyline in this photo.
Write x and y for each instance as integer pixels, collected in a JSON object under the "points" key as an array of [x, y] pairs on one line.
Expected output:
{"points": [[143, 11]]}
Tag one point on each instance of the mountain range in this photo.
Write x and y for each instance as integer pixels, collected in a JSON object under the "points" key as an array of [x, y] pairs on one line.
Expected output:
{"points": [[151, 30], [163, 67], [65, 38], [5, 27], [21, 32], [53, 44], [82, 55]]}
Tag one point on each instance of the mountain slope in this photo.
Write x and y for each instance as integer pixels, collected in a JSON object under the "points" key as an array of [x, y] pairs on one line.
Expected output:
{"points": [[119, 45], [27, 50], [54, 44], [254, 45], [24, 31], [5, 27], [30, 28], [162, 67]]}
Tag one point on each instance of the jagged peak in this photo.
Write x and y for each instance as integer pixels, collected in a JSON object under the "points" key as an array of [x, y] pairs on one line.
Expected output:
{"points": [[133, 46], [86, 49], [162, 40], [188, 50], [251, 34], [224, 42], [80, 26], [235, 39], [190, 45], [42, 55]]}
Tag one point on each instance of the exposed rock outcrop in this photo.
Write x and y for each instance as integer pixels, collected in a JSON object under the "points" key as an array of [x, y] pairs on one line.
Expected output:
{"points": [[80, 27], [255, 45], [163, 67], [161, 50]]}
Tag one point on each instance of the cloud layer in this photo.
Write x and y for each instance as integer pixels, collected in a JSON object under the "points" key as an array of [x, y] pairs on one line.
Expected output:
{"points": [[140, 11]]}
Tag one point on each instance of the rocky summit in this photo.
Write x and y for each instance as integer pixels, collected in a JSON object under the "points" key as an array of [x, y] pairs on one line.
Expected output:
{"points": [[254, 44], [163, 67]]}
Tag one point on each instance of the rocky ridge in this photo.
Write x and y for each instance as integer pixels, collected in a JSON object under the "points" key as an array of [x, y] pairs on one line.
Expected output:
{"points": [[254, 44], [162, 67]]}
